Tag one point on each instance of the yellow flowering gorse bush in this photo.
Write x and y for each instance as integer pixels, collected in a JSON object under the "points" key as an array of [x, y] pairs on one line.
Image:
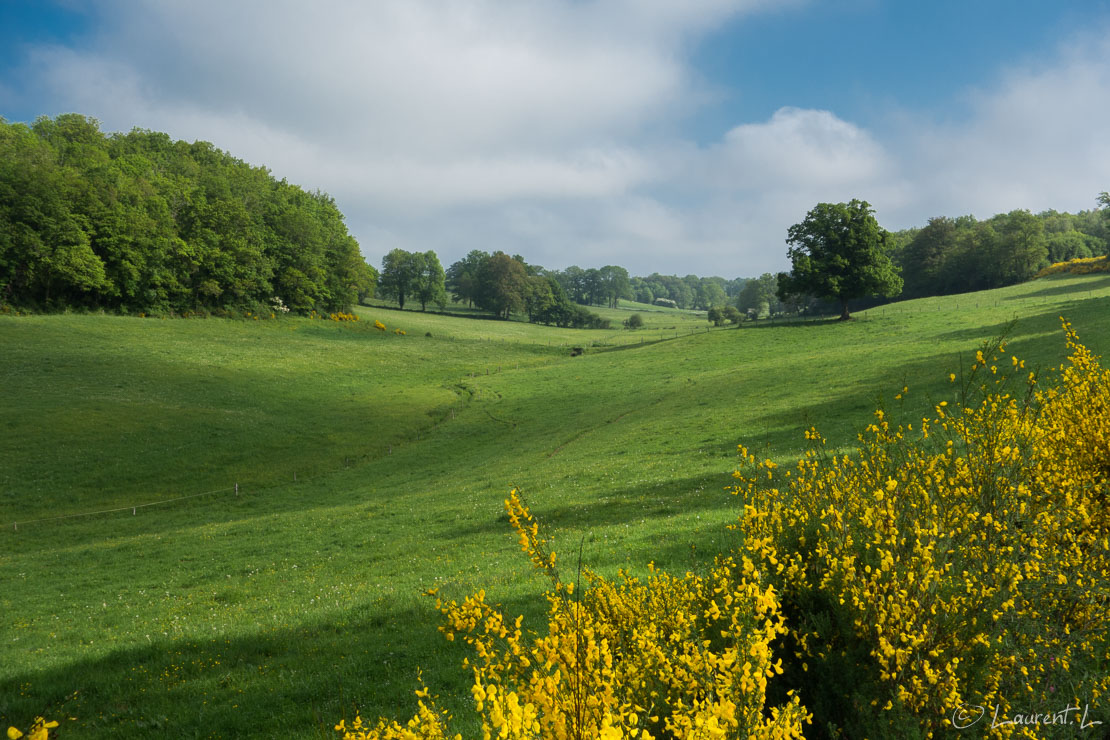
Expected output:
{"points": [[964, 559], [1077, 266]]}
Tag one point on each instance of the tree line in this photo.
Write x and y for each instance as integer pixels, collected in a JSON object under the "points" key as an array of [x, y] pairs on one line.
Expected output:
{"points": [[959, 255], [839, 253], [498, 283], [138, 222]]}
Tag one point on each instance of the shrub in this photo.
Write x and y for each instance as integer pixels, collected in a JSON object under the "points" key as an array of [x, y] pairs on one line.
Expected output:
{"points": [[721, 315], [635, 321], [1078, 266]]}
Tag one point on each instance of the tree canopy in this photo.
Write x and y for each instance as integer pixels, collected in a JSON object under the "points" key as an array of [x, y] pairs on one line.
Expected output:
{"points": [[837, 253], [502, 285], [138, 222], [957, 255], [430, 281], [760, 296]]}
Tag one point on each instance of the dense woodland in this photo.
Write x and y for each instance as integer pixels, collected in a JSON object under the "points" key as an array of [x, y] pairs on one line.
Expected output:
{"points": [[136, 222], [960, 255]]}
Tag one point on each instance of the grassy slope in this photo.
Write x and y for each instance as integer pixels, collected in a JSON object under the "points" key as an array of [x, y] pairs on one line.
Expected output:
{"points": [[293, 603]]}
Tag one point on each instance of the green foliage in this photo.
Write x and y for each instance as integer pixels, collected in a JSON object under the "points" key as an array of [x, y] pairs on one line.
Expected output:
{"points": [[430, 281], [1069, 245], [545, 301], [711, 292], [635, 321], [462, 276], [721, 315], [365, 280], [614, 284], [837, 253], [958, 255], [760, 296], [136, 222], [401, 275], [502, 285]]}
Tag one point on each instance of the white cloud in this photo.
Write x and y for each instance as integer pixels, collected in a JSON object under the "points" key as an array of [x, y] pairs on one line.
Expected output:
{"points": [[547, 128], [801, 149], [1037, 141]]}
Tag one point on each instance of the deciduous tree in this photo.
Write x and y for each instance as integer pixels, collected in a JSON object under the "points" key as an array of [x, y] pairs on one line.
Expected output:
{"points": [[430, 281], [837, 253], [462, 276], [502, 285], [399, 275]]}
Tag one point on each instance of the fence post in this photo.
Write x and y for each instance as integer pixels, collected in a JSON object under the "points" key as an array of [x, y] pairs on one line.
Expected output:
{"points": [[236, 489]]}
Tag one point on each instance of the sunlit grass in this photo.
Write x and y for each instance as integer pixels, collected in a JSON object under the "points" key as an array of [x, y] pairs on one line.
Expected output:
{"points": [[272, 611]]}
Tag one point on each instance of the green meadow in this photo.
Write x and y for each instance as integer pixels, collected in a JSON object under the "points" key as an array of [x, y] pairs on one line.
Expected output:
{"points": [[371, 466]]}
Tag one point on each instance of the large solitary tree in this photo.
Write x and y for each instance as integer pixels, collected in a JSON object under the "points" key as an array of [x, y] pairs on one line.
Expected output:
{"points": [[837, 254]]}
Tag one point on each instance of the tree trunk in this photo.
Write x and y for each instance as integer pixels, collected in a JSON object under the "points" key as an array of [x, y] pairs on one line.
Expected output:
{"points": [[844, 311]]}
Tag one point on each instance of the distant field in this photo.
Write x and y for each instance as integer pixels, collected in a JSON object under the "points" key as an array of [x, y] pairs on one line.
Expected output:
{"points": [[659, 321], [276, 611]]}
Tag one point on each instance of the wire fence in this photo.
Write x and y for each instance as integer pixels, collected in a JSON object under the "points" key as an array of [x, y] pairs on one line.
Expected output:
{"points": [[134, 507], [235, 487]]}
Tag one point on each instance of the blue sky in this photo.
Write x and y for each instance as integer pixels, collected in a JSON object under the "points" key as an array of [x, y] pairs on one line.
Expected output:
{"points": [[862, 57], [679, 137]]}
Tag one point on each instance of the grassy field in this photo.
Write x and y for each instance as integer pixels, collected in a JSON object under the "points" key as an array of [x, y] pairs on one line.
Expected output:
{"points": [[296, 601]]}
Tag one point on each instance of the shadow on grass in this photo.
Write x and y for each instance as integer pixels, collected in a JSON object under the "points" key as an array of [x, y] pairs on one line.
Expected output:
{"points": [[618, 506], [1037, 340], [287, 682], [792, 322], [297, 681], [1071, 288], [604, 349], [1084, 313]]}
